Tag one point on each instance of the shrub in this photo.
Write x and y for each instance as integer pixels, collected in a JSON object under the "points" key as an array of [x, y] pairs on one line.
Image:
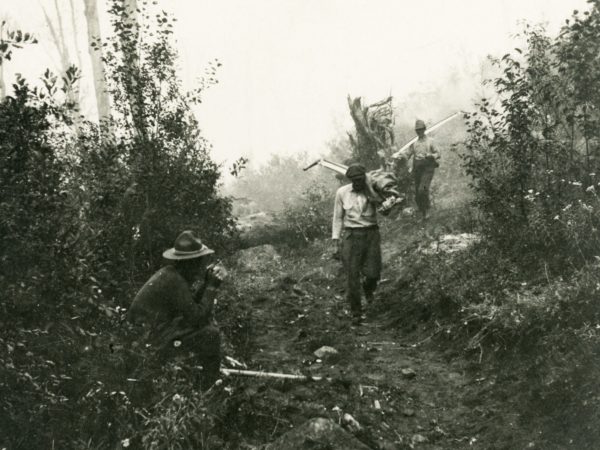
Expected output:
{"points": [[308, 219], [533, 159], [32, 232], [172, 181], [85, 212]]}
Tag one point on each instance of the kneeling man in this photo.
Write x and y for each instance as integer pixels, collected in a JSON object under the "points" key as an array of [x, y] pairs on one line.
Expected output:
{"points": [[177, 302]]}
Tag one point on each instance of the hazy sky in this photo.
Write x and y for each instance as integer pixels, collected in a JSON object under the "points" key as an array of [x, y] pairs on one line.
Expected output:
{"points": [[288, 65]]}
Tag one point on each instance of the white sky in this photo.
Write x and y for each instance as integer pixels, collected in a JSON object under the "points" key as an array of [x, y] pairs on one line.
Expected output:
{"points": [[288, 65]]}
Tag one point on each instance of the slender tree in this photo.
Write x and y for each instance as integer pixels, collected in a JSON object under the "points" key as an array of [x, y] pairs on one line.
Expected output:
{"points": [[95, 51], [129, 36]]}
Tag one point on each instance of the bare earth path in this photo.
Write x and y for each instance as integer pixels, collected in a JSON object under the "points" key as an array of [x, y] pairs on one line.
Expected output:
{"points": [[404, 392]]}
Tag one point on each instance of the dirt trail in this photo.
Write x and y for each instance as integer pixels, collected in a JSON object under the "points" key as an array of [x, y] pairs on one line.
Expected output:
{"points": [[403, 392]]}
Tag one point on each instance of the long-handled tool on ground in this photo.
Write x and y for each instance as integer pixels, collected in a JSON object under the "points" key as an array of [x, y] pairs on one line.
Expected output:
{"points": [[275, 375]]}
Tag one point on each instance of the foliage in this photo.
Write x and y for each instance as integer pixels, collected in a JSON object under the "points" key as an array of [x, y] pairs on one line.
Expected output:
{"points": [[11, 40], [32, 234], [534, 158], [85, 213], [238, 166], [173, 182], [308, 219], [527, 292]]}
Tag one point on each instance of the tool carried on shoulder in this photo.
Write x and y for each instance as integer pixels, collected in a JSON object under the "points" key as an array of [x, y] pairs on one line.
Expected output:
{"points": [[382, 185]]}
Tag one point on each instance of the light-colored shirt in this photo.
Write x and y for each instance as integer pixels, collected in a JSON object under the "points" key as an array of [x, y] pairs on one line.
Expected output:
{"points": [[421, 149], [352, 210]]}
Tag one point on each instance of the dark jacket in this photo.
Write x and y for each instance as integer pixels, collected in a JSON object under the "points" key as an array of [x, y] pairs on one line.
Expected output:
{"points": [[167, 296]]}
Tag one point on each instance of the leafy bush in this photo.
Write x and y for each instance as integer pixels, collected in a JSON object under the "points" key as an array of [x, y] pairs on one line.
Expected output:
{"points": [[85, 212], [308, 219], [32, 232], [172, 181], [534, 159], [524, 299]]}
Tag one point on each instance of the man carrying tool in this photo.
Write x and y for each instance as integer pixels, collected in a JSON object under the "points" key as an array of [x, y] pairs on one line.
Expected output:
{"points": [[425, 160], [177, 304], [356, 235]]}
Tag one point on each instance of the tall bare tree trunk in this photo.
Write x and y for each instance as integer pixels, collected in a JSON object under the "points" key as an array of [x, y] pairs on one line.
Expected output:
{"points": [[130, 48], [94, 35]]}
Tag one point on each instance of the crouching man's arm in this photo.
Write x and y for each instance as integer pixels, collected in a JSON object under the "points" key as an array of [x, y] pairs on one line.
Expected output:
{"points": [[205, 296]]}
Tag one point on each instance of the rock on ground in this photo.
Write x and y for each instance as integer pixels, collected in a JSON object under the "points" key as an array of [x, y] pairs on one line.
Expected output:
{"points": [[256, 220], [317, 433], [450, 243], [408, 373], [325, 351]]}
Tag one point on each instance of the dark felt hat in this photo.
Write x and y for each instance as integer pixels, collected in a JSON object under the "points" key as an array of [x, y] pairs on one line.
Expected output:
{"points": [[187, 246], [419, 125], [355, 170]]}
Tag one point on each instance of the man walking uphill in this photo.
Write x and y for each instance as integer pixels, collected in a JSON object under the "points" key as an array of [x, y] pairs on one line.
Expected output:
{"points": [[356, 233], [177, 304]]}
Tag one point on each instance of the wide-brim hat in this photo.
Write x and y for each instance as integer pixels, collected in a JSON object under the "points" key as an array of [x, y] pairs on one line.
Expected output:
{"points": [[187, 246]]}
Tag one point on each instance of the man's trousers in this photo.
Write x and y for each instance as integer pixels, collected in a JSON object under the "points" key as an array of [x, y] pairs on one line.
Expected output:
{"points": [[361, 256], [423, 171]]}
